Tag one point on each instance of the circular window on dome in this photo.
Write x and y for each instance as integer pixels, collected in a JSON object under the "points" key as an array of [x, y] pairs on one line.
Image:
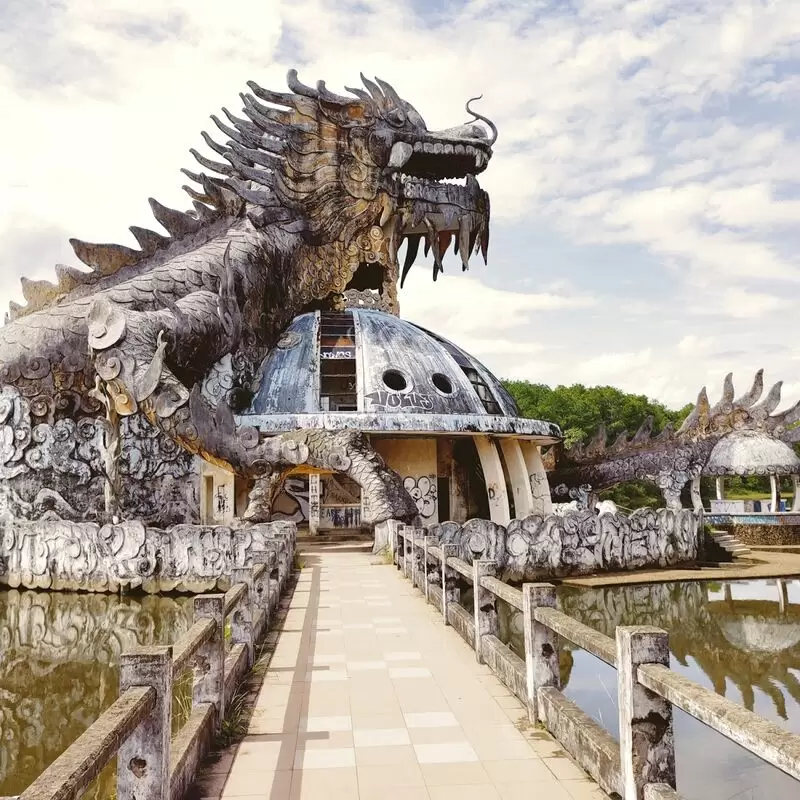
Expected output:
{"points": [[442, 383], [395, 380]]}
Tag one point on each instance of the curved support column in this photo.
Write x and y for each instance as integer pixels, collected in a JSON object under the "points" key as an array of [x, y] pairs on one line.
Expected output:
{"points": [[537, 478], [518, 473], [796, 489], [720, 486], [773, 493], [499, 510]]}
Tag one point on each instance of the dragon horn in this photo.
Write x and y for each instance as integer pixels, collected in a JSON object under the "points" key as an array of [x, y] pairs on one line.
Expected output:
{"points": [[483, 119], [300, 88]]}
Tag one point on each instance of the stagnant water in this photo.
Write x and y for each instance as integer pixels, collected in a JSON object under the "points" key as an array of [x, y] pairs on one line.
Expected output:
{"points": [[59, 656], [734, 638]]}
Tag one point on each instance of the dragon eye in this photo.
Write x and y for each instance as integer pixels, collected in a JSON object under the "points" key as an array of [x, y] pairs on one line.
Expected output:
{"points": [[396, 117]]}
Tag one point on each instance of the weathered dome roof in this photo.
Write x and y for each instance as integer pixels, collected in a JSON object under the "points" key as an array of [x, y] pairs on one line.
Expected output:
{"points": [[366, 369], [752, 453]]}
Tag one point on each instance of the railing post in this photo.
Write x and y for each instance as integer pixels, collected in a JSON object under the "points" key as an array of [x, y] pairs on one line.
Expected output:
{"points": [[406, 550], [484, 605], [414, 565], [646, 741], [425, 584], [541, 644], [450, 591], [396, 544], [143, 768], [208, 664], [242, 616], [261, 586]]}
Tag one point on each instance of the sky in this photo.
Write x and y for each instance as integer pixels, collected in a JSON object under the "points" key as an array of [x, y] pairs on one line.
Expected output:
{"points": [[645, 185]]}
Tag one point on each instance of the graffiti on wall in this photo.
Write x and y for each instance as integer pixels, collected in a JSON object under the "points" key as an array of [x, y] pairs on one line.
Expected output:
{"points": [[423, 493], [292, 503], [383, 400]]}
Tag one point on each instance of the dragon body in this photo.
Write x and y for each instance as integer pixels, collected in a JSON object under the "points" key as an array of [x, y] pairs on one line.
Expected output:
{"points": [[738, 436], [305, 205]]}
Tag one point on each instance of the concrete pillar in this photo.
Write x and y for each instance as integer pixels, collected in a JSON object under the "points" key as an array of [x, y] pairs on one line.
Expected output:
{"points": [[720, 487], [413, 532], [314, 507], [484, 604], [773, 493], [646, 739], [450, 591], [143, 769], [208, 664], [518, 474], [242, 617], [261, 586], [783, 596], [425, 582], [541, 645], [537, 477], [499, 510], [796, 490]]}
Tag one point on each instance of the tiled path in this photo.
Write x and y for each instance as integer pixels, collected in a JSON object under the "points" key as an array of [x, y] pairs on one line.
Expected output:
{"points": [[369, 696]]}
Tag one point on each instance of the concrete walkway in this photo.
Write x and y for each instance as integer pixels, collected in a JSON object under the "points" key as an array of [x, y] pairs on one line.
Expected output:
{"points": [[369, 696]]}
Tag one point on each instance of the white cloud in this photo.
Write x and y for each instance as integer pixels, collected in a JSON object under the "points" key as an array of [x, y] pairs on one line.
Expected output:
{"points": [[665, 128]]}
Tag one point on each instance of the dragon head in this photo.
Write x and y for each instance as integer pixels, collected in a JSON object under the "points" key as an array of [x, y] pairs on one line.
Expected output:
{"points": [[354, 176]]}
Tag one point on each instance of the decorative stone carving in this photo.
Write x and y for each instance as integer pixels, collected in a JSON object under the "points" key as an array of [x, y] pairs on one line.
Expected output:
{"points": [[74, 556], [577, 542]]}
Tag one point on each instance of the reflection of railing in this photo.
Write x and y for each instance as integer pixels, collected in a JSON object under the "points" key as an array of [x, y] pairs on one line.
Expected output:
{"points": [[642, 763], [152, 764]]}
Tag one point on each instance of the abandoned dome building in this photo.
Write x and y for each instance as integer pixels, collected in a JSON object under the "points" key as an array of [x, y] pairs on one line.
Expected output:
{"points": [[433, 412]]}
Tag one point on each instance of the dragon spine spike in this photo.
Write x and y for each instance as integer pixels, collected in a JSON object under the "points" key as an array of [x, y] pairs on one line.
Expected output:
{"points": [[620, 442], [769, 403], [148, 240], [726, 401], [330, 97], [788, 417], [298, 87], [175, 223], [751, 397], [263, 117], [667, 433], [390, 93], [70, 277], [644, 432], [105, 258]]}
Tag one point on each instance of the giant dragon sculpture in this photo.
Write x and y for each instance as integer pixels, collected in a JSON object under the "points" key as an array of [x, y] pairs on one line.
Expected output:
{"points": [[735, 436], [308, 203]]}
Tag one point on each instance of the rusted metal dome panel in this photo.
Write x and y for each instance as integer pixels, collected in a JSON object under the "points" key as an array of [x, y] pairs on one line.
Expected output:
{"points": [[400, 363], [290, 373]]}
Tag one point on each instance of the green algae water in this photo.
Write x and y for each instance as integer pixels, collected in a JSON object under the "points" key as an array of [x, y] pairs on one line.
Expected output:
{"points": [[59, 659], [741, 639]]}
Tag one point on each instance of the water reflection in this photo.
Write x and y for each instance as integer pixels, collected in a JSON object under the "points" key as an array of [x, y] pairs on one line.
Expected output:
{"points": [[58, 668], [741, 639]]}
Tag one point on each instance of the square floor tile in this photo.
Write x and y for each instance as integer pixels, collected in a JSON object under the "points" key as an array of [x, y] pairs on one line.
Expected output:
{"points": [[358, 626], [326, 658], [319, 724], [380, 737], [403, 656], [366, 666], [332, 758], [445, 753], [390, 631], [455, 774], [431, 719], [409, 672], [387, 620], [328, 675]]}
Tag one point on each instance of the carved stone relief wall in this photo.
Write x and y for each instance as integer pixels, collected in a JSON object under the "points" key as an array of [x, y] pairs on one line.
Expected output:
{"points": [[577, 542], [73, 556], [52, 465]]}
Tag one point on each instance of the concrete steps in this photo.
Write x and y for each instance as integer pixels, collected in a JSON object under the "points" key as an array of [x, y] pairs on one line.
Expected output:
{"points": [[727, 541]]}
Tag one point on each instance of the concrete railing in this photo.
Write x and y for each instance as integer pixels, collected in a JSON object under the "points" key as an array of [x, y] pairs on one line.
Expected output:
{"points": [[642, 763], [152, 764]]}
